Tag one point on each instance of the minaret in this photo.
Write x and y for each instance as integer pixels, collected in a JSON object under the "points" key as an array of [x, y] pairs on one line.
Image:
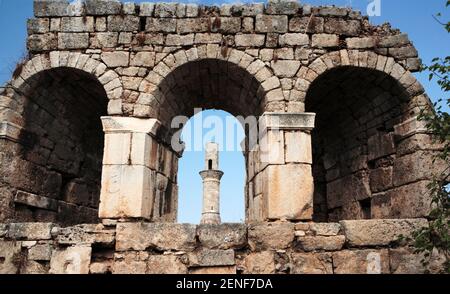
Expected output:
{"points": [[211, 185]]}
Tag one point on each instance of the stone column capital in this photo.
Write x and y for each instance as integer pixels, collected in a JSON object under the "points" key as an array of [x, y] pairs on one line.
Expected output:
{"points": [[278, 121], [286, 121], [211, 175], [115, 124]]}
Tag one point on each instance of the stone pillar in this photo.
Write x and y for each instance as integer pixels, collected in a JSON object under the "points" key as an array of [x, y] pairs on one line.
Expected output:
{"points": [[129, 167], [280, 185], [211, 185]]}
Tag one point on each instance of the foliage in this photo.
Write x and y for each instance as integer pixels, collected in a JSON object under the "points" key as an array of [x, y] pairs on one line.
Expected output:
{"points": [[437, 235]]}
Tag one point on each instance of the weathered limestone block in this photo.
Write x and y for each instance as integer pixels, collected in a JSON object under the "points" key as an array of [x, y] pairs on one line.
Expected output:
{"points": [[146, 9], [249, 9], [394, 41], [379, 232], [192, 10], [146, 59], [325, 229], [211, 257], [285, 68], [408, 201], [192, 25], [10, 257], [282, 7], [406, 261], [130, 262], [42, 42], [333, 11], [128, 183], [228, 25], [73, 41], [162, 236], [381, 145], [180, 40], [381, 179], [249, 40], [38, 26], [3, 230], [77, 24], [294, 39], [403, 52], [271, 23], [271, 148], [206, 38], [342, 27], [298, 147], [360, 43], [166, 9], [103, 7], [127, 191], [40, 252], [260, 263], [127, 23], [30, 231], [327, 243], [166, 264], [71, 260], [166, 25], [34, 200], [86, 235], [101, 267], [325, 40], [105, 40], [420, 165], [51, 7], [361, 262], [270, 236], [410, 127], [31, 267], [311, 263], [306, 25], [284, 199], [223, 236], [417, 142], [116, 59]]}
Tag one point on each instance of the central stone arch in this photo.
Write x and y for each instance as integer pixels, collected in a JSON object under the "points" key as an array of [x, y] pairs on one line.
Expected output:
{"points": [[210, 77], [258, 87]]}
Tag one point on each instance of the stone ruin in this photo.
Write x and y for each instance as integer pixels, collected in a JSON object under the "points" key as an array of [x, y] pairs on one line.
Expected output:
{"points": [[88, 178]]}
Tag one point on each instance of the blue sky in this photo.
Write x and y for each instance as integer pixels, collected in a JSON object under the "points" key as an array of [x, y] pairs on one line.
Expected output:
{"points": [[412, 17]]}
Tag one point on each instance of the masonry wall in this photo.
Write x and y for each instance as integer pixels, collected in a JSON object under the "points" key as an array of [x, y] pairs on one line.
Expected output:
{"points": [[150, 248], [162, 60]]}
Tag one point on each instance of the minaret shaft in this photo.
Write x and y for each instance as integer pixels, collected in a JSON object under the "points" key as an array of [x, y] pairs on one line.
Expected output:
{"points": [[211, 186]]}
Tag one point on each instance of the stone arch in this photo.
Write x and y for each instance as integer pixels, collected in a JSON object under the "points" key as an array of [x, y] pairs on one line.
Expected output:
{"points": [[367, 106], [250, 85], [109, 79], [52, 136], [361, 59], [151, 98]]}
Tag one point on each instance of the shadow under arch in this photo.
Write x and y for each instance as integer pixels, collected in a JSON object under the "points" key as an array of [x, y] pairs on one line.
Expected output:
{"points": [[209, 84], [354, 142], [59, 152]]}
